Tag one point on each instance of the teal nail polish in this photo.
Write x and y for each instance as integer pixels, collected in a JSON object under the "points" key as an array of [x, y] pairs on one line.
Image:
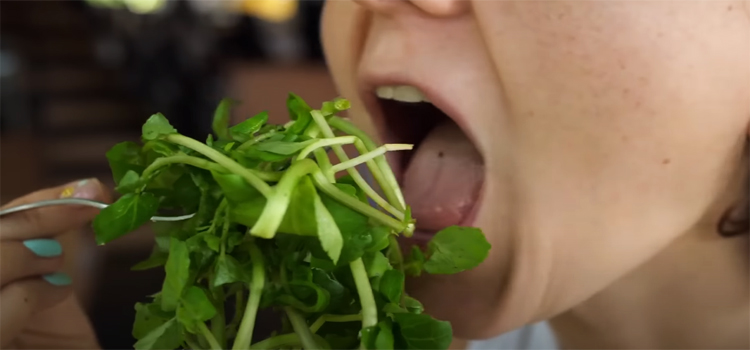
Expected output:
{"points": [[58, 279], [45, 248]]}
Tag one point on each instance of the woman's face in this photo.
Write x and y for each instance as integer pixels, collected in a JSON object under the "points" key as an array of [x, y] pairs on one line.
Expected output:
{"points": [[585, 135]]}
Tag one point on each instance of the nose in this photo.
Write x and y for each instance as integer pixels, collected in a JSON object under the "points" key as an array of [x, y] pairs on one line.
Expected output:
{"points": [[437, 8]]}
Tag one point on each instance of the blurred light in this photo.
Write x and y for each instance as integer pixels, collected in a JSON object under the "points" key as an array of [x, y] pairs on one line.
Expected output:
{"points": [[270, 10], [135, 6], [105, 3], [145, 6]]}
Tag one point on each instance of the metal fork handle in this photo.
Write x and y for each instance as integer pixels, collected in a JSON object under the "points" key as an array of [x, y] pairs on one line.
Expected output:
{"points": [[80, 201]]}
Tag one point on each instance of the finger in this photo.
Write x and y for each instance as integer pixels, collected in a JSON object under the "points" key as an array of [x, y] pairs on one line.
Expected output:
{"points": [[19, 260], [22, 299], [47, 221]]}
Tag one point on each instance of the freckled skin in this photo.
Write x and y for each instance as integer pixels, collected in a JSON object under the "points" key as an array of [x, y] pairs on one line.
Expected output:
{"points": [[609, 129]]}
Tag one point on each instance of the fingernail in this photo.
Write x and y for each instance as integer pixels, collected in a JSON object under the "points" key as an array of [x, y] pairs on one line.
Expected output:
{"points": [[58, 279], [45, 248], [82, 189]]}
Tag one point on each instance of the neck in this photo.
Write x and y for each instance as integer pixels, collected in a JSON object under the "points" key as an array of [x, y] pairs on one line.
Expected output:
{"points": [[693, 295]]}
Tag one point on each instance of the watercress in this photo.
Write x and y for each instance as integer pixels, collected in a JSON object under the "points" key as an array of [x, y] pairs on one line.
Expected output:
{"points": [[276, 227]]}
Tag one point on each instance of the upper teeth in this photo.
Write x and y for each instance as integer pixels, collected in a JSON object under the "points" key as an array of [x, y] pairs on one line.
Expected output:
{"points": [[403, 93]]}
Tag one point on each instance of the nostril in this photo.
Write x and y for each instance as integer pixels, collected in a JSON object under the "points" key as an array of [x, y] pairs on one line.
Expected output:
{"points": [[437, 8], [442, 8]]}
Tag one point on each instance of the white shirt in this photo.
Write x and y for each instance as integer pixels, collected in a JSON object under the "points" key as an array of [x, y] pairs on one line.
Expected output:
{"points": [[538, 336]]}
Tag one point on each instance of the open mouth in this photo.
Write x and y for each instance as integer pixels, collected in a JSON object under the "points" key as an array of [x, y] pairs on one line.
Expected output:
{"points": [[442, 176]]}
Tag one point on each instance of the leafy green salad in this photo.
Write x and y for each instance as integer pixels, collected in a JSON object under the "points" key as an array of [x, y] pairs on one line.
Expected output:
{"points": [[278, 225]]}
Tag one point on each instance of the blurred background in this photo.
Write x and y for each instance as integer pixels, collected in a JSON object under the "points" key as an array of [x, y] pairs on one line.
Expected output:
{"points": [[78, 77]]}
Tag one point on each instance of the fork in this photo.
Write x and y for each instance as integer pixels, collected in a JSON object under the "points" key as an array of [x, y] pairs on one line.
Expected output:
{"points": [[84, 202]]}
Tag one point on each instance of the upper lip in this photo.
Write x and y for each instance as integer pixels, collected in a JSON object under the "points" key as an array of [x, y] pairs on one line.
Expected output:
{"points": [[369, 82]]}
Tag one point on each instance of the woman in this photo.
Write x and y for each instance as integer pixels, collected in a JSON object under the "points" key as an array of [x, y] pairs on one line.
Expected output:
{"points": [[598, 144]]}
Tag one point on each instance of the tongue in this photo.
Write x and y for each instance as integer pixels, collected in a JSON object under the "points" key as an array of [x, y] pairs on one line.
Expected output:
{"points": [[442, 181]]}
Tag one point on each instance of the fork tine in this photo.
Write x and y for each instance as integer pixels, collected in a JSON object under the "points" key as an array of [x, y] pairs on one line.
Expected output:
{"points": [[80, 201]]}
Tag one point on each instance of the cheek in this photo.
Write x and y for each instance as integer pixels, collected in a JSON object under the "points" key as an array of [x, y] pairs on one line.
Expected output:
{"points": [[343, 28], [626, 118]]}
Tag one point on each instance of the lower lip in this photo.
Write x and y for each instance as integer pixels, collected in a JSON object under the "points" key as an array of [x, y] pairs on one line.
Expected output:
{"points": [[421, 238]]}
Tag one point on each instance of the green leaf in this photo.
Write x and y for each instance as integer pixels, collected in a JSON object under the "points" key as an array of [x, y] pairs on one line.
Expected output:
{"points": [[177, 274], [328, 233], [282, 147], [156, 127], [369, 335], [244, 131], [130, 212], [124, 157], [297, 107], [299, 111], [229, 270], [347, 184], [341, 297], [234, 239], [392, 285], [376, 264], [354, 228], [158, 148], [146, 320], [414, 263], [157, 258], [413, 305], [129, 182], [456, 249], [235, 188], [419, 332], [254, 153], [195, 307], [166, 336], [220, 124], [300, 217], [213, 242], [380, 238], [186, 194], [384, 340]]}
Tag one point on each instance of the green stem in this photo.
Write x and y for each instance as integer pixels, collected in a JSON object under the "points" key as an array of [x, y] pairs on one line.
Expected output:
{"points": [[356, 176], [273, 213], [382, 168], [291, 339], [225, 230], [209, 336], [328, 188], [333, 318], [239, 306], [250, 176], [183, 159], [343, 140], [192, 345], [366, 298], [301, 328], [324, 163], [245, 145], [245, 332], [395, 251], [363, 158]]}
